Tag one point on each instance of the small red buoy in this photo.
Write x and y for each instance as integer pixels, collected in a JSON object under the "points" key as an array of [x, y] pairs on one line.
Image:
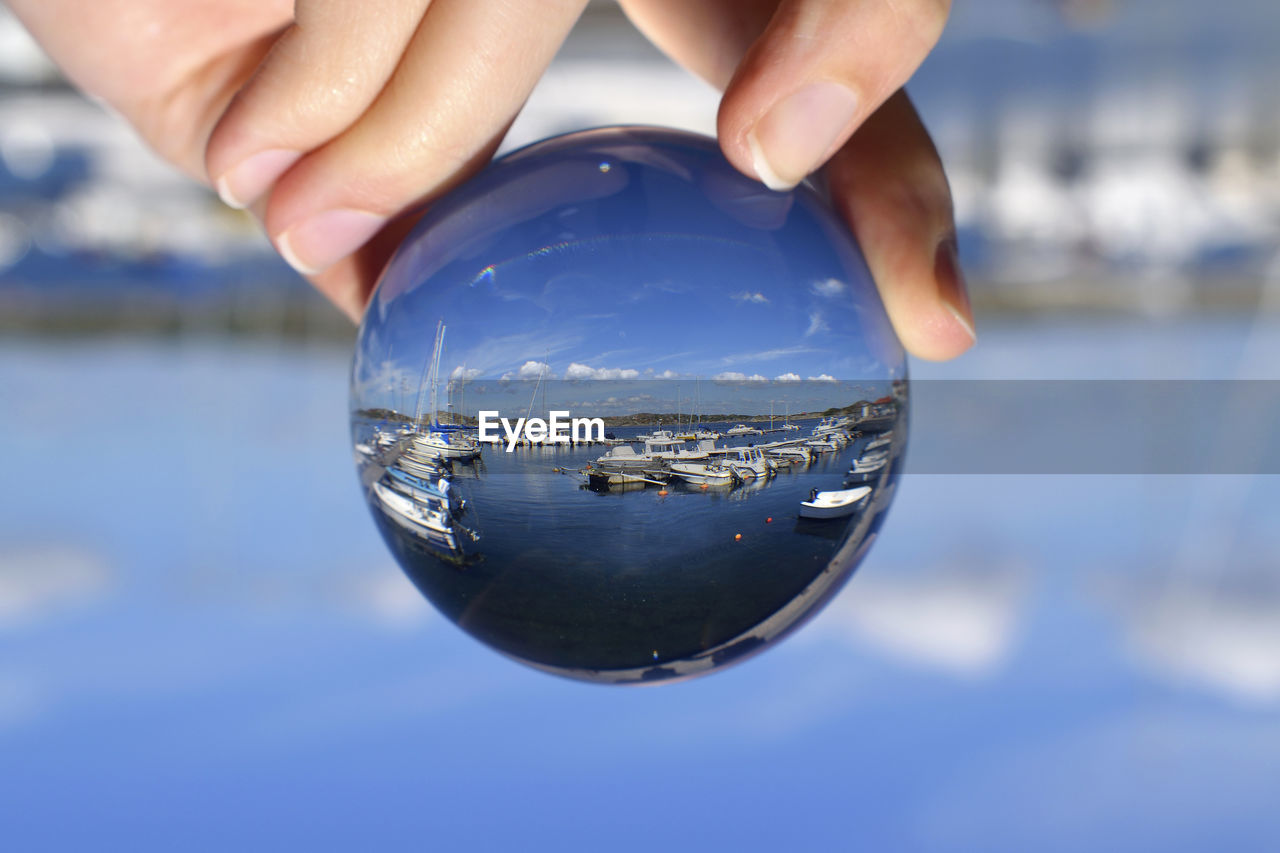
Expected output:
{"points": [[737, 536], [703, 486], [662, 493], [769, 520]]}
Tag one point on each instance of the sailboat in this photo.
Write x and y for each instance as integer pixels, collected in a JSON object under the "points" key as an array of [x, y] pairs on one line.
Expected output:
{"points": [[426, 519], [440, 441], [786, 421]]}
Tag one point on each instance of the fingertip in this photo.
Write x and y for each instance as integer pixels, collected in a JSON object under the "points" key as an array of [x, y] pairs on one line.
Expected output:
{"points": [[322, 239], [953, 290], [799, 132], [251, 179], [939, 326], [936, 335]]}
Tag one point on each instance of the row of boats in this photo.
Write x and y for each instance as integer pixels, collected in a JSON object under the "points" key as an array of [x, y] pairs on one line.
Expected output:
{"points": [[666, 456], [415, 491], [838, 503]]}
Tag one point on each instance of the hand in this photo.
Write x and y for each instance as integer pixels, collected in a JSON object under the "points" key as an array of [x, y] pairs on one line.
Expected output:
{"points": [[799, 78], [332, 120], [335, 121]]}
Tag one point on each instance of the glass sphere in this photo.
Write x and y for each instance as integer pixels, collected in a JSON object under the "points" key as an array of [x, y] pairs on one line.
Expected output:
{"points": [[624, 414]]}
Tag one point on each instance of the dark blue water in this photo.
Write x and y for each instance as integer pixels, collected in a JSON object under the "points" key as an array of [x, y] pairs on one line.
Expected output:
{"points": [[575, 578]]}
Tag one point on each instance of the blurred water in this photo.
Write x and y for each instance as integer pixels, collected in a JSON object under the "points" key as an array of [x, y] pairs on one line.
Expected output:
{"points": [[204, 643]]}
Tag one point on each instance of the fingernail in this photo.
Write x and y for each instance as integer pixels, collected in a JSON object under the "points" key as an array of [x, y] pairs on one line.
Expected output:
{"points": [[320, 241], [794, 136], [242, 184], [951, 285]]}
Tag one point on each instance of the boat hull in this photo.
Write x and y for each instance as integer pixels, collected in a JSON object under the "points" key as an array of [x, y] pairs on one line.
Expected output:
{"points": [[702, 475], [837, 504]]}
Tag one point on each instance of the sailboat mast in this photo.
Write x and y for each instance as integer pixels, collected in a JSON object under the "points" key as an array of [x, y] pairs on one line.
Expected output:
{"points": [[435, 372]]}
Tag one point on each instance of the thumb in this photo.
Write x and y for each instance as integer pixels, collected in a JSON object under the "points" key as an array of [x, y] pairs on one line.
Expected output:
{"points": [[819, 69]]}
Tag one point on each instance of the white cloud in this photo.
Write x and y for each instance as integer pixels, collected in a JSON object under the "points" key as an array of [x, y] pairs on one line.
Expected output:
{"points": [[788, 377], [40, 582], [586, 371], [816, 324], [830, 288], [1226, 641], [463, 372], [388, 599], [529, 370], [766, 355], [735, 376], [748, 296], [960, 622], [822, 377], [667, 374]]}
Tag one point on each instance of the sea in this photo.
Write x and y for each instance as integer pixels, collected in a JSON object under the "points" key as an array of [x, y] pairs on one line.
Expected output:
{"points": [[561, 573]]}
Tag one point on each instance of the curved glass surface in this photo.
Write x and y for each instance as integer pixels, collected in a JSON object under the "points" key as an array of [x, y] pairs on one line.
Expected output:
{"points": [[624, 414]]}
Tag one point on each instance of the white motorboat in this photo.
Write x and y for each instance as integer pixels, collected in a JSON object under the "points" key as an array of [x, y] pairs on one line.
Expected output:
{"points": [[790, 450], [883, 440], [703, 473], [659, 435], [623, 457], [747, 463], [866, 468], [431, 470], [834, 504], [622, 465], [422, 520], [423, 490], [743, 429], [605, 478], [831, 425], [868, 463], [827, 444]]}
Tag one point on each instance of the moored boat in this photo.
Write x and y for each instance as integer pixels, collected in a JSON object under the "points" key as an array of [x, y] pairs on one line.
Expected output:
{"points": [[834, 504], [703, 473], [427, 521], [747, 463]]}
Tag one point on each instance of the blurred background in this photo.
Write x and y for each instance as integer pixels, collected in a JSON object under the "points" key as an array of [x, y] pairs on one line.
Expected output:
{"points": [[203, 641]]}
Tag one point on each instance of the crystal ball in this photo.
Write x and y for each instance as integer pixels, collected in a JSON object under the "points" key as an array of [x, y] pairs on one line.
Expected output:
{"points": [[624, 414]]}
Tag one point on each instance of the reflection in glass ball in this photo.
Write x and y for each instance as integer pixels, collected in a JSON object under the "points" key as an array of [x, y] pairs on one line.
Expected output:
{"points": [[624, 414]]}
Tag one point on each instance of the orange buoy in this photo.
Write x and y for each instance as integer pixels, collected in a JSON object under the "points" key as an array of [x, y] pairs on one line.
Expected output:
{"points": [[704, 486], [662, 493], [769, 520], [737, 536]]}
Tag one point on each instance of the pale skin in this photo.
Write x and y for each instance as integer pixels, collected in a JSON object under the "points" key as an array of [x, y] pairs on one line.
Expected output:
{"points": [[336, 121]]}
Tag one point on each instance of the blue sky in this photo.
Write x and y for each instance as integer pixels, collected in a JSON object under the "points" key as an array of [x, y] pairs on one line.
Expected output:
{"points": [[673, 268]]}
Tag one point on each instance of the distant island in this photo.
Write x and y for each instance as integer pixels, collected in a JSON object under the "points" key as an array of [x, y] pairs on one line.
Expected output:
{"points": [[642, 418]]}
